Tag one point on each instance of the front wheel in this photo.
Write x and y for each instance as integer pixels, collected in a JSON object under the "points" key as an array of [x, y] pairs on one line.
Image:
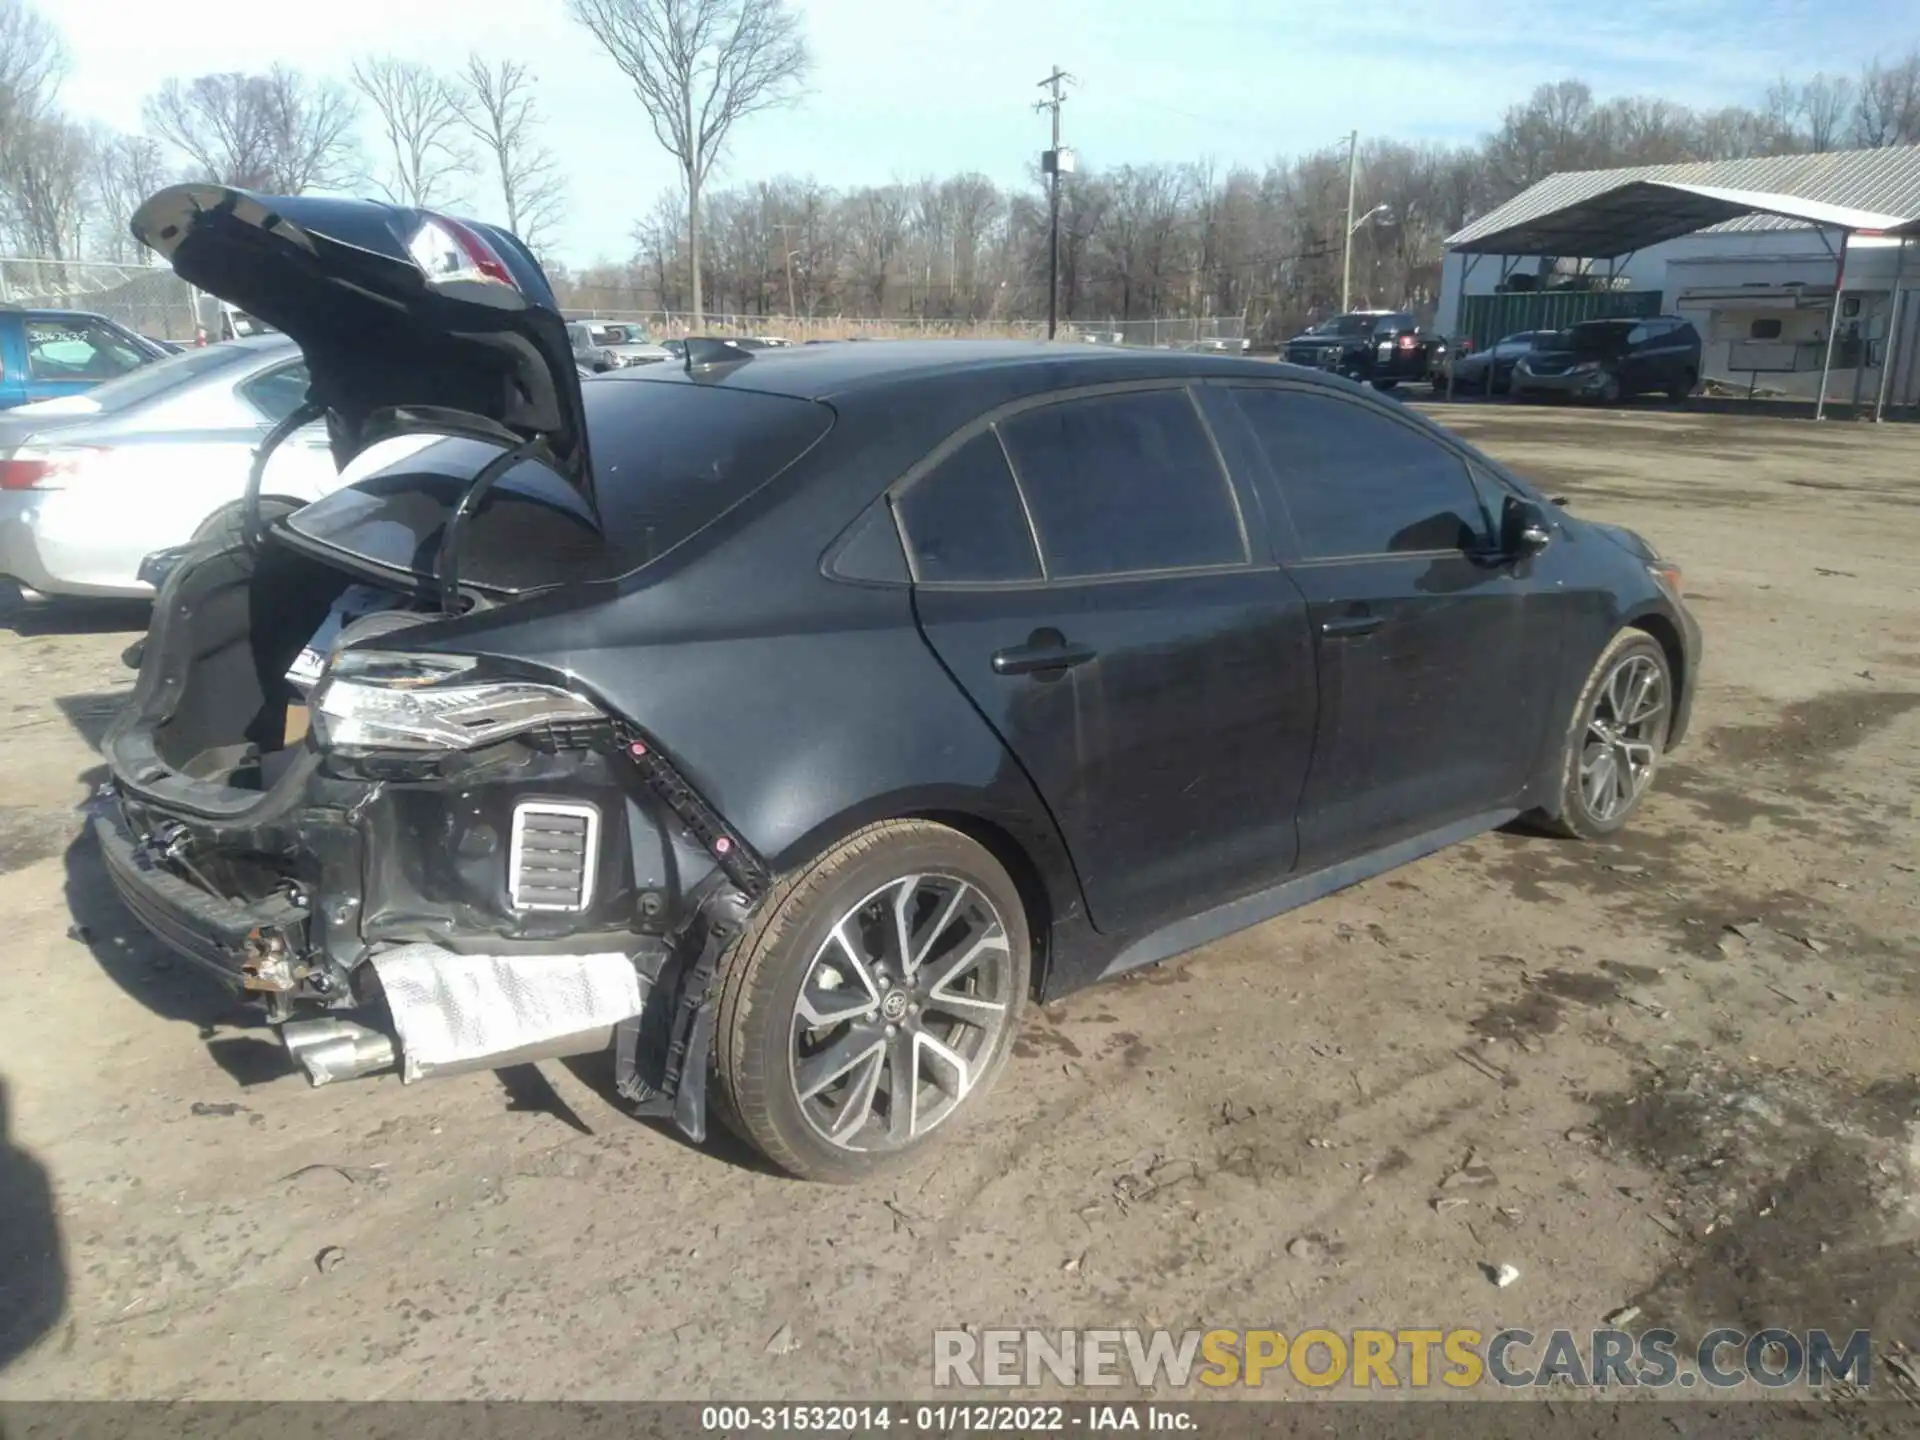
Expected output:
{"points": [[1615, 739], [872, 1002]]}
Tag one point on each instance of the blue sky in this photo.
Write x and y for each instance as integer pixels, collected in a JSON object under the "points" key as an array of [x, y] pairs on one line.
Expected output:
{"points": [[914, 87]]}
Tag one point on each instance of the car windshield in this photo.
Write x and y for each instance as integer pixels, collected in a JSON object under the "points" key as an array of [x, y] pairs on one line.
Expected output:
{"points": [[163, 377], [1595, 337], [1345, 325]]}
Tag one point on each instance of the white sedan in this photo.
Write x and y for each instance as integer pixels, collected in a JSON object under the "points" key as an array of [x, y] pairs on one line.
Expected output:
{"points": [[91, 484]]}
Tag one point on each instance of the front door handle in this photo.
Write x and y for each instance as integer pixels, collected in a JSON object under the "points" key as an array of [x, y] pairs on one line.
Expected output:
{"points": [[1044, 650], [1346, 627]]}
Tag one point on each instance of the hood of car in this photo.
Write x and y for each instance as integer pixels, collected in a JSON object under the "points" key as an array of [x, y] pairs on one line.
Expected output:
{"points": [[410, 321]]}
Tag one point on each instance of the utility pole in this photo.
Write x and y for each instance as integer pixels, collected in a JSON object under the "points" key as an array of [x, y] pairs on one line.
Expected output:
{"points": [[1054, 163], [785, 228], [1346, 261]]}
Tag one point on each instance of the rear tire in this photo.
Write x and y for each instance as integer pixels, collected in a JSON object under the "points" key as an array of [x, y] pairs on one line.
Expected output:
{"points": [[872, 1001], [1684, 388], [1614, 739]]}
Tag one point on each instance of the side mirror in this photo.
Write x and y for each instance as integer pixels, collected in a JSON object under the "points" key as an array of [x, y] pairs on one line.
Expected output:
{"points": [[1524, 529]]}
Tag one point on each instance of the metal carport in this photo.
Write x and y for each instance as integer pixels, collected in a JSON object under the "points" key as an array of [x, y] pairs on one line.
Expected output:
{"points": [[1624, 218]]}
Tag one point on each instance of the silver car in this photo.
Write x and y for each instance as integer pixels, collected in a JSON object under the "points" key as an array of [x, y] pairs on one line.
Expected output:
{"points": [[600, 345], [90, 484]]}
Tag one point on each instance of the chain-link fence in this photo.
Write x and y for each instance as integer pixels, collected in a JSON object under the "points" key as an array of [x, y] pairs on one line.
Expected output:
{"points": [[1193, 332], [148, 298], [154, 301], [1199, 332]]}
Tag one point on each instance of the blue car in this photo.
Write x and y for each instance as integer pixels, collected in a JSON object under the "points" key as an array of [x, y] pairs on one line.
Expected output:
{"points": [[45, 354]]}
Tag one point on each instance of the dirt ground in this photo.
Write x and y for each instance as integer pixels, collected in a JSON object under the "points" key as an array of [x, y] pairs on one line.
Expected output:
{"points": [[1688, 1064]]}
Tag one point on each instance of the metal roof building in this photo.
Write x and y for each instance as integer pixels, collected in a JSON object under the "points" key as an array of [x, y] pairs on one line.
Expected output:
{"points": [[1886, 181], [1774, 259]]}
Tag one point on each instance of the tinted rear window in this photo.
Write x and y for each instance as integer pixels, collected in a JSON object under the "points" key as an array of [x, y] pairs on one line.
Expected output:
{"points": [[1598, 339], [669, 458]]}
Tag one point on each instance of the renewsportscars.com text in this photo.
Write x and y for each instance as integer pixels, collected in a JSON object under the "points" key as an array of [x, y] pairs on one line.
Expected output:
{"points": [[1414, 1359]]}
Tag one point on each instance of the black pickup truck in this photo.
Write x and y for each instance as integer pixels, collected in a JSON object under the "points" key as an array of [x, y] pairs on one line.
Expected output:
{"points": [[1380, 346]]}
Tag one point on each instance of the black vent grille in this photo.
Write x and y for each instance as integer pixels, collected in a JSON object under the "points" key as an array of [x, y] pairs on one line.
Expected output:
{"points": [[552, 858]]}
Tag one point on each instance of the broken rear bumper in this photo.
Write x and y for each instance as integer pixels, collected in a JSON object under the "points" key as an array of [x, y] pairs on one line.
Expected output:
{"points": [[244, 945]]}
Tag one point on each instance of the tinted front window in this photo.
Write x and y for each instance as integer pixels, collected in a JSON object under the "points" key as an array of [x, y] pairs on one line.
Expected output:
{"points": [[79, 349], [1358, 482], [1123, 483], [163, 377], [964, 521]]}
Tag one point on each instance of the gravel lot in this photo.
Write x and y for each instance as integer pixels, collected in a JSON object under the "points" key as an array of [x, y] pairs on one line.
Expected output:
{"points": [[1691, 1061]]}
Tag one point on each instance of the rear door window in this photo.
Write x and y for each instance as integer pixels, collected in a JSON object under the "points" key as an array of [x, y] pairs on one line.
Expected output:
{"points": [[964, 522], [1358, 482], [1125, 483]]}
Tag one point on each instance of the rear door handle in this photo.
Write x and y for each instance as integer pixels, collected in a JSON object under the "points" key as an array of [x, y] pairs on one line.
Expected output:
{"points": [[1041, 652], [1346, 627]]}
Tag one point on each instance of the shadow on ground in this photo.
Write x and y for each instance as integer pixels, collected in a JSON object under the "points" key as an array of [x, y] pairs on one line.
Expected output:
{"points": [[33, 1274], [43, 616]]}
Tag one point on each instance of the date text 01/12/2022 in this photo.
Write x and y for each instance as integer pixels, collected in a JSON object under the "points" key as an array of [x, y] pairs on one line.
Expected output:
{"points": [[944, 1419]]}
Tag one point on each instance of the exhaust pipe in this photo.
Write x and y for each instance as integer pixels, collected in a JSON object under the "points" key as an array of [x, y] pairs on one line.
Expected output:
{"points": [[458, 1013], [330, 1049]]}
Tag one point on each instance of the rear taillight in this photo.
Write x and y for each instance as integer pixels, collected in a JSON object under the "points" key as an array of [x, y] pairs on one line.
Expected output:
{"points": [[449, 251], [48, 469], [22, 474]]}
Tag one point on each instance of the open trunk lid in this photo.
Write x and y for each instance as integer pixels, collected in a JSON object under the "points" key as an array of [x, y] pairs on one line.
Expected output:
{"points": [[409, 320]]}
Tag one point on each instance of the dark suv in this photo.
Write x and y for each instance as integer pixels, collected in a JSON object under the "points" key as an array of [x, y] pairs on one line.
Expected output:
{"points": [[793, 719], [1611, 360]]}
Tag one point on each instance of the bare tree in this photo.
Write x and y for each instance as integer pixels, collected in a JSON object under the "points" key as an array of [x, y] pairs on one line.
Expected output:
{"points": [[876, 220], [44, 176], [126, 170], [1887, 111], [1822, 111], [497, 106], [279, 132], [32, 64], [418, 117], [657, 240], [699, 67]]}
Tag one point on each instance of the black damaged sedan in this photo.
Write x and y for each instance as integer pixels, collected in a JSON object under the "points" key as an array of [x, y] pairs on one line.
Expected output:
{"points": [[787, 721]]}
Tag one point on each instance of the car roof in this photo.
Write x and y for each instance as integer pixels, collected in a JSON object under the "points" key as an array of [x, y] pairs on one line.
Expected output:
{"points": [[822, 372], [267, 340], [38, 312]]}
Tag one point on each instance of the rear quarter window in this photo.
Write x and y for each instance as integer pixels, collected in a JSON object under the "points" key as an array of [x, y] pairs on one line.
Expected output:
{"points": [[963, 520]]}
